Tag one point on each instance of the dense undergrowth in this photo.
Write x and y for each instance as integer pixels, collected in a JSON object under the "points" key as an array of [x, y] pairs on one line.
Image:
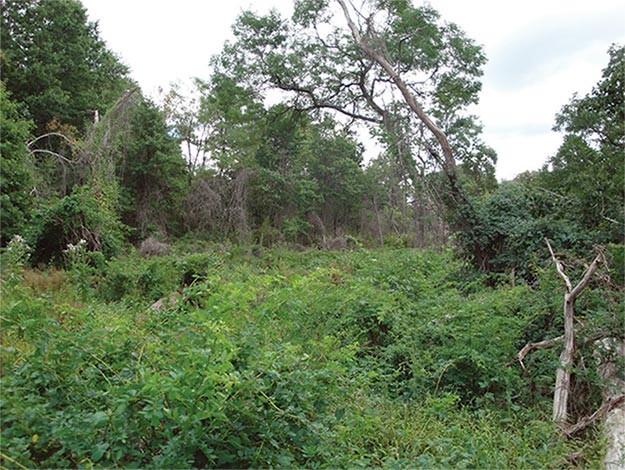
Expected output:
{"points": [[269, 358]]}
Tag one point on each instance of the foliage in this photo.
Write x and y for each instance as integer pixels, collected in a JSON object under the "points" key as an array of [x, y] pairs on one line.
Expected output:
{"points": [[371, 358], [322, 70], [588, 167], [86, 214], [16, 169], [232, 113], [276, 169], [151, 172], [576, 201], [54, 62], [513, 223], [14, 260], [256, 356]]}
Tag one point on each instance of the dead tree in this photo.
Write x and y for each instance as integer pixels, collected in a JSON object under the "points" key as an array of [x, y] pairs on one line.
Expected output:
{"points": [[563, 374]]}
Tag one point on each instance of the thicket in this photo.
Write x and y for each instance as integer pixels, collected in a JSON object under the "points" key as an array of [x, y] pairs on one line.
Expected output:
{"points": [[275, 358], [292, 172]]}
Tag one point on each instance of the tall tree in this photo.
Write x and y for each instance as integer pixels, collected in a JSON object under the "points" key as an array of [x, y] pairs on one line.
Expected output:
{"points": [[233, 114], [588, 167], [400, 68], [54, 61], [15, 168], [151, 171]]}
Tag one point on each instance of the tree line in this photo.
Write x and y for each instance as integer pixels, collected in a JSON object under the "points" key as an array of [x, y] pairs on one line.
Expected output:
{"points": [[85, 155]]}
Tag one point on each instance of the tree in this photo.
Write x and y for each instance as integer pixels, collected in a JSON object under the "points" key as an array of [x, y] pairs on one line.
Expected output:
{"points": [[400, 70], [333, 161], [54, 62], [233, 113], [182, 113], [15, 168], [588, 167], [150, 170]]}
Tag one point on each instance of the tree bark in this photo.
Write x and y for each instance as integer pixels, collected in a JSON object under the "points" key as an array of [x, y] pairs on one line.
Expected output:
{"points": [[540, 345], [563, 374]]}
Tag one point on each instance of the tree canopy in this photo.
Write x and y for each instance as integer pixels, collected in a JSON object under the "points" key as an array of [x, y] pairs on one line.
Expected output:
{"points": [[401, 70], [54, 62], [272, 140]]}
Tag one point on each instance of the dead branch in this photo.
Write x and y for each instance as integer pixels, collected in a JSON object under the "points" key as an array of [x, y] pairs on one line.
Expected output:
{"points": [[52, 134], [571, 458], [559, 267], [54, 154], [563, 374], [529, 347], [588, 275], [608, 405]]}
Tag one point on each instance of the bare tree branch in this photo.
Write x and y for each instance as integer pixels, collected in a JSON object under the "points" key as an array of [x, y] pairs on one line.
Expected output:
{"points": [[559, 268], [529, 347], [54, 154], [52, 134], [587, 275], [587, 421]]}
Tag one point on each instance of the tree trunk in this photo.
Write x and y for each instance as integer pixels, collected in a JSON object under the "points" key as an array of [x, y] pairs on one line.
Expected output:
{"points": [[377, 221], [563, 375], [463, 206]]}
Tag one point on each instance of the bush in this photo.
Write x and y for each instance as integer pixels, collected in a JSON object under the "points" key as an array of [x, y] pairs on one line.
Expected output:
{"points": [[511, 226], [317, 359], [86, 214]]}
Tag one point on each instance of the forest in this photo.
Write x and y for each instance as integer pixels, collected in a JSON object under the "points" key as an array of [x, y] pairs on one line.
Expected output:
{"points": [[221, 279]]}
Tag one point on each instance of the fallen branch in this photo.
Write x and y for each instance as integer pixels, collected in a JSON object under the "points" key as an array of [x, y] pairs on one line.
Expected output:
{"points": [[529, 347], [607, 406], [571, 458]]}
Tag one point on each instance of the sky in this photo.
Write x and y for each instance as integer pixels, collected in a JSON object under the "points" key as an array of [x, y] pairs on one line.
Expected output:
{"points": [[540, 52]]}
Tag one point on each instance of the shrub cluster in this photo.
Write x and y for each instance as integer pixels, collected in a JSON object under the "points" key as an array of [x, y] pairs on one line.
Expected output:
{"points": [[280, 359]]}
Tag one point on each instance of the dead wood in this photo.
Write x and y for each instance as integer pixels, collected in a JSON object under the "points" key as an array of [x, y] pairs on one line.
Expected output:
{"points": [[529, 347]]}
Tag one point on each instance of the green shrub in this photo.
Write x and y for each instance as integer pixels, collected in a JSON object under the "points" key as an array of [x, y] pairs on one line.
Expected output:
{"points": [[86, 214], [374, 358]]}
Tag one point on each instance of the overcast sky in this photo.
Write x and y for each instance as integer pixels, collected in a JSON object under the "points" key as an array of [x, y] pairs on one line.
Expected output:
{"points": [[539, 53]]}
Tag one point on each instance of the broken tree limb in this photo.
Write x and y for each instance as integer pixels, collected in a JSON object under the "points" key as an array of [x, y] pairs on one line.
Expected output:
{"points": [[559, 267], [529, 347], [607, 406]]}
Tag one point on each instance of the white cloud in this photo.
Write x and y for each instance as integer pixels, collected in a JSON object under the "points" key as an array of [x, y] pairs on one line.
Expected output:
{"points": [[540, 53]]}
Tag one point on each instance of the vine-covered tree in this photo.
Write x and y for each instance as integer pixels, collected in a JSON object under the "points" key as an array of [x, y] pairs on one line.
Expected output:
{"points": [[577, 200], [151, 172], [588, 168]]}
